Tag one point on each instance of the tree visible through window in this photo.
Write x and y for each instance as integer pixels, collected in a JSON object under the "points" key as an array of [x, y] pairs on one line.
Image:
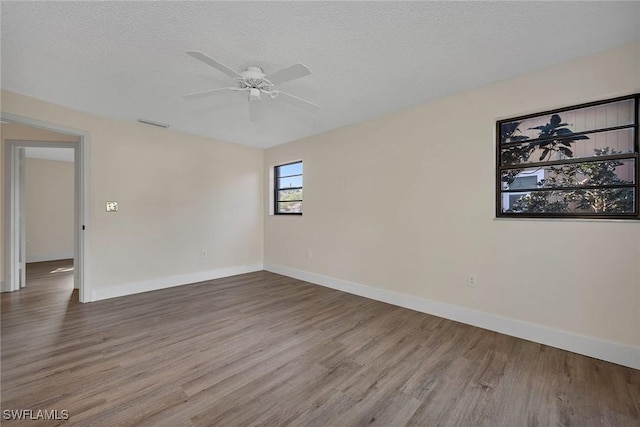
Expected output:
{"points": [[579, 161], [288, 189]]}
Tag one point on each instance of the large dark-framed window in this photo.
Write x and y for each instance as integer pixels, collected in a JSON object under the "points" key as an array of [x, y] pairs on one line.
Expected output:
{"points": [[288, 189], [575, 162]]}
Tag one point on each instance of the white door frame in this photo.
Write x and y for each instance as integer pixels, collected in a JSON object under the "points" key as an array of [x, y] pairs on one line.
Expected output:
{"points": [[22, 219], [12, 192]]}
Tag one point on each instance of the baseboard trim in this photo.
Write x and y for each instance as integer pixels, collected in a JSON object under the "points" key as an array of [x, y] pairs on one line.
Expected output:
{"points": [[588, 346], [171, 281], [49, 257]]}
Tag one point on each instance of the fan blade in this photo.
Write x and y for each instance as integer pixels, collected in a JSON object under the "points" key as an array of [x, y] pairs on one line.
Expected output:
{"points": [[287, 74], [215, 64], [206, 93], [298, 102], [255, 110]]}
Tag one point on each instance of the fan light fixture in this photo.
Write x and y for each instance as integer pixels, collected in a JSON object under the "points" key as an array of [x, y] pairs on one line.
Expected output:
{"points": [[254, 94]]}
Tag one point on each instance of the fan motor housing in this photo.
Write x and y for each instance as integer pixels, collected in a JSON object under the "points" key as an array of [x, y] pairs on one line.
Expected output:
{"points": [[253, 78]]}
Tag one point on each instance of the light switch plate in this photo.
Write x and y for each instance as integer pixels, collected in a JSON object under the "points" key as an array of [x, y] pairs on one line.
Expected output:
{"points": [[111, 206]]}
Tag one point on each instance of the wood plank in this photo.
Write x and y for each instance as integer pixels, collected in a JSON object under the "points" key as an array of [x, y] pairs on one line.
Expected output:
{"points": [[263, 349]]}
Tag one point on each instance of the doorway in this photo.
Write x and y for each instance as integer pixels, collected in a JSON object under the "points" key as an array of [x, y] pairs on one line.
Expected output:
{"points": [[14, 165]]}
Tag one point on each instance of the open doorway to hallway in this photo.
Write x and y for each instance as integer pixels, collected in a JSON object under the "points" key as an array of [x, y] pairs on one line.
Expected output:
{"points": [[49, 216], [41, 197]]}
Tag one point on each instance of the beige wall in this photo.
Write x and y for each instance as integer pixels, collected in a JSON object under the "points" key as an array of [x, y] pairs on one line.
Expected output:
{"points": [[49, 209], [406, 203], [10, 131], [178, 194]]}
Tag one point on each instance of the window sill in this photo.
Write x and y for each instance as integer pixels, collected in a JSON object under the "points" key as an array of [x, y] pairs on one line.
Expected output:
{"points": [[628, 221]]}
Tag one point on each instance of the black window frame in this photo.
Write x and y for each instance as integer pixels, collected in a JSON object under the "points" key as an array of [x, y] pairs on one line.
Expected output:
{"points": [[277, 189], [500, 168]]}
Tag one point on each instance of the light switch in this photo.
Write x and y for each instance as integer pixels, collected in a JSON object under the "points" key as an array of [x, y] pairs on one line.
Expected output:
{"points": [[111, 206]]}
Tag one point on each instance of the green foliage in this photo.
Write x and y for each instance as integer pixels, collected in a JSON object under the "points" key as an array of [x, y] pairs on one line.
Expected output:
{"points": [[293, 197], [513, 154], [587, 199], [508, 133], [555, 137], [289, 195]]}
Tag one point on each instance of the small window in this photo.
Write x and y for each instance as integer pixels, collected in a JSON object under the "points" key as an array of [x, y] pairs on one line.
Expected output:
{"points": [[575, 162], [288, 189]]}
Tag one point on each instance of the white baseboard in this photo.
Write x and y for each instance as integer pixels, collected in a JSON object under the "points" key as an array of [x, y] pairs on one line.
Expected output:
{"points": [[588, 346], [171, 281], [49, 257]]}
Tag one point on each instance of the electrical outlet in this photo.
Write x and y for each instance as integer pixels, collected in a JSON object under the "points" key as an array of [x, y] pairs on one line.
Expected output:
{"points": [[203, 254], [471, 280]]}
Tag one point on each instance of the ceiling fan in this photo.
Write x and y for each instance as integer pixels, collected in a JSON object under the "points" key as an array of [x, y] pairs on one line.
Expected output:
{"points": [[256, 83]]}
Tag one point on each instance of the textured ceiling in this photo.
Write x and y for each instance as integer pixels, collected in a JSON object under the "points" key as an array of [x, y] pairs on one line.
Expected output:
{"points": [[127, 59]]}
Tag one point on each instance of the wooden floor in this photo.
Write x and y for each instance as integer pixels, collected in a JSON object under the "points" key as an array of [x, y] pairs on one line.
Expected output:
{"points": [[263, 349]]}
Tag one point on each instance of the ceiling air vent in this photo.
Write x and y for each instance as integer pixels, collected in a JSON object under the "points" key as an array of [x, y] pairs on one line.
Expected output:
{"points": [[152, 123]]}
